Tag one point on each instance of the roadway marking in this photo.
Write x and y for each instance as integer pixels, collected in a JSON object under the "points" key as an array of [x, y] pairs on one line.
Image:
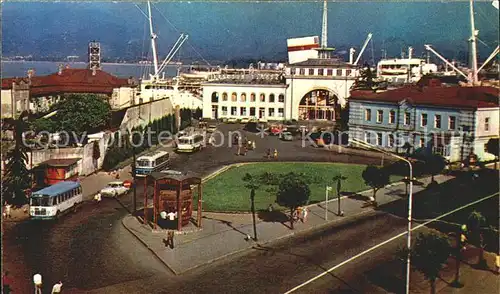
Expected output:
{"points": [[385, 242]]}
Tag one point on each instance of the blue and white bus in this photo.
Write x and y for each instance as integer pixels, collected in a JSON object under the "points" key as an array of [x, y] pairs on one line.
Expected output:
{"points": [[51, 202], [146, 164]]}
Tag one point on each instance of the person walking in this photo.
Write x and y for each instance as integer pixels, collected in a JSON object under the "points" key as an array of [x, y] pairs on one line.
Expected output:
{"points": [[275, 153], [7, 210], [269, 153], [37, 280], [170, 239], [57, 288], [6, 282], [304, 214], [98, 198]]}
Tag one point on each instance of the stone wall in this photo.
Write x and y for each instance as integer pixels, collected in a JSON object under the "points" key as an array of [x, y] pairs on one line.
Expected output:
{"points": [[143, 114]]}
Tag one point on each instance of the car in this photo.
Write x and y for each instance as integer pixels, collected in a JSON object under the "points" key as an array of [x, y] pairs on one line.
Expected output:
{"points": [[232, 120], [274, 130], [262, 120], [211, 128], [114, 189], [244, 120], [286, 136]]}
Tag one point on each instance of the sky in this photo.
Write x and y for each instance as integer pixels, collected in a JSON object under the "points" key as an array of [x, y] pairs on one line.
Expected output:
{"points": [[241, 29]]}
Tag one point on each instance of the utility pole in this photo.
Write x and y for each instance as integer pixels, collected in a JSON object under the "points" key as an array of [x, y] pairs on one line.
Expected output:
{"points": [[473, 42], [252, 198]]}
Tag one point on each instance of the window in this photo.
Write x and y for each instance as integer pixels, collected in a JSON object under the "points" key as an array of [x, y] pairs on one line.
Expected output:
{"points": [[271, 112], [293, 71], [311, 71], [451, 122], [437, 121], [302, 71], [224, 96], [243, 111], [407, 119], [321, 72], [380, 116], [234, 111], [339, 72], [281, 98], [281, 112], [262, 97], [441, 150], [234, 97], [367, 137], [392, 116], [368, 114], [390, 142], [422, 142], [215, 97], [243, 97], [252, 111], [271, 98], [224, 110], [252, 97], [486, 124], [329, 72], [423, 119], [379, 139], [348, 72]]}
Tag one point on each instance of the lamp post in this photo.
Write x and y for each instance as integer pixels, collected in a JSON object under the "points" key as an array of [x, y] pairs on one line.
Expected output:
{"points": [[410, 202]]}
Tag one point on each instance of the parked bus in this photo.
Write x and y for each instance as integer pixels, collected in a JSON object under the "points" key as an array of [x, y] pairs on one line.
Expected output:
{"points": [[51, 202], [190, 143], [149, 163]]}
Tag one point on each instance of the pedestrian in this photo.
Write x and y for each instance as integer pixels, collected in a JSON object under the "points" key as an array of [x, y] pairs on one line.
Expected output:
{"points": [[7, 210], [6, 283], [275, 153], [37, 280], [253, 145], [97, 198], [269, 153], [497, 263], [270, 208], [304, 214], [298, 214], [170, 239], [245, 150], [56, 289]]}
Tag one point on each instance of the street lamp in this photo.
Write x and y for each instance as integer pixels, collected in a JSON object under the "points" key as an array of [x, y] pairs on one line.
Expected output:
{"points": [[410, 201]]}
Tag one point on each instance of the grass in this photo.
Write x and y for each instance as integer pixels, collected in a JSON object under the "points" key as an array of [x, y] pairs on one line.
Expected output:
{"points": [[227, 192]]}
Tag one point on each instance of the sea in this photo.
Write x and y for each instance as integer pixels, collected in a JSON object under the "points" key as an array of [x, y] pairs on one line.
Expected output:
{"points": [[122, 70]]}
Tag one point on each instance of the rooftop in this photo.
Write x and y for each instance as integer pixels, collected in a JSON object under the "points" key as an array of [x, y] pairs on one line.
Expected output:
{"points": [[337, 62], [60, 162], [175, 176], [454, 96]]}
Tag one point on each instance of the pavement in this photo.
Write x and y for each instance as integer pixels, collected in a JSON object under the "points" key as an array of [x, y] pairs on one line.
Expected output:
{"points": [[224, 234]]}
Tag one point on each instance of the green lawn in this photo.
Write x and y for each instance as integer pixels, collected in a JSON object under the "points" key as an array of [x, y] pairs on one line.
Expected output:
{"points": [[226, 192]]}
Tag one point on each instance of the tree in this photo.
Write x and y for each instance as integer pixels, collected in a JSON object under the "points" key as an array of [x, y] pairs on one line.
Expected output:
{"points": [[429, 255], [492, 147], [435, 164], [83, 113], [292, 192], [376, 178], [17, 178], [338, 179], [475, 221], [252, 183], [365, 80], [44, 124]]}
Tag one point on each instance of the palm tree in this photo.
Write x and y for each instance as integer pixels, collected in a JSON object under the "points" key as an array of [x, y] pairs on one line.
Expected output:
{"points": [[429, 255], [339, 178], [474, 224], [17, 178], [252, 183]]}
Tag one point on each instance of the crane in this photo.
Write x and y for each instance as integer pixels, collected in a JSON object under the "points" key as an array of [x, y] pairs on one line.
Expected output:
{"points": [[363, 48]]}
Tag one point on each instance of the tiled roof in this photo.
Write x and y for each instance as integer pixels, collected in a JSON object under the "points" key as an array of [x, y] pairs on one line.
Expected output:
{"points": [[71, 81], [462, 97]]}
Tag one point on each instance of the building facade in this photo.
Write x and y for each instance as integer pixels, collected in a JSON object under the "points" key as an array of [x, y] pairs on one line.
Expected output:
{"points": [[451, 121]]}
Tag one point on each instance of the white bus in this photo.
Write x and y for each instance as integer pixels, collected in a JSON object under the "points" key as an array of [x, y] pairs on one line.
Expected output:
{"points": [[190, 143], [146, 164], [51, 202]]}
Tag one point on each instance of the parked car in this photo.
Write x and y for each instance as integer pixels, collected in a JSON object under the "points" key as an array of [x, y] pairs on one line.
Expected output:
{"points": [[274, 130], [232, 120], [286, 136], [114, 189], [211, 128], [244, 120]]}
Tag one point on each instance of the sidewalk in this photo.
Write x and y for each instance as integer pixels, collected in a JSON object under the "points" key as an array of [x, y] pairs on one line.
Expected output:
{"points": [[224, 234]]}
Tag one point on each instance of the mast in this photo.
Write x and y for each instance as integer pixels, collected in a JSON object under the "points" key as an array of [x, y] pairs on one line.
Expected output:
{"points": [[473, 43], [153, 41], [324, 30]]}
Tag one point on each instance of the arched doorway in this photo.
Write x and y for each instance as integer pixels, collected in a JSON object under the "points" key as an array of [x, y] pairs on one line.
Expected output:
{"points": [[319, 104]]}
